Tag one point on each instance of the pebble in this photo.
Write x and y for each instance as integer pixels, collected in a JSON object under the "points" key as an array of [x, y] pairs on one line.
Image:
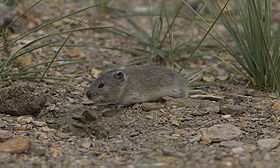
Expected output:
{"points": [[237, 149], [176, 122], [95, 72], [15, 145], [223, 77], [227, 161], [135, 133], [205, 140], [233, 110], [24, 120], [249, 147], [276, 106], [86, 143], [203, 107], [88, 102], [226, 117], [5, 134], [46, 129], [222, 132], [268, 143], [39, 123], [208, 79], [43, 135], [230, 143]]}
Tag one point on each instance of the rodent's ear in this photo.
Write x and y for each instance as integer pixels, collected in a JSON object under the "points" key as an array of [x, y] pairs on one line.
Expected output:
{"points": [[119, 76]]}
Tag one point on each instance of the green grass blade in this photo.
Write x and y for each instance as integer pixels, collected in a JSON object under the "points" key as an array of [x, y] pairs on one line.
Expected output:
{"points": [[66, 39], [54, 20], [17, 18], [206, 34]]}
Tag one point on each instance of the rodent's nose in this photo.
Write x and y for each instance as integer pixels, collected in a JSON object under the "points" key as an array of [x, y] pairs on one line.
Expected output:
{"points": [[88, 94]]}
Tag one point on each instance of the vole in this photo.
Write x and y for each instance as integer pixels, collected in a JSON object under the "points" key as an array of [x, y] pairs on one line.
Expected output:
{"points": [[137, 85]]}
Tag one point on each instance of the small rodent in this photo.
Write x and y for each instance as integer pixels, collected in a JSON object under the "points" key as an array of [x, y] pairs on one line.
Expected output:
{"points": [[136, 85]]}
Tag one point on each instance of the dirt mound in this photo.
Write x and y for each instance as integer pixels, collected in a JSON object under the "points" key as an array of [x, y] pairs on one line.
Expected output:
{"points": [[21, 100]]}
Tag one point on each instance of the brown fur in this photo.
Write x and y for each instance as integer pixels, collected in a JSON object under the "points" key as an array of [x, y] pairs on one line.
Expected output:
{"points": [[137, 85]]}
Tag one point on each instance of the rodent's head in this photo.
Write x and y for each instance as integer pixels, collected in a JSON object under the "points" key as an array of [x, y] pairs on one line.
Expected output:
{"points": [[107, 88]]}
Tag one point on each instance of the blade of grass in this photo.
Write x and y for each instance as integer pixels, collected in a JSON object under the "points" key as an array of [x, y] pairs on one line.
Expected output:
{"points": [[32, 77], [52, 21], [58, 51], [16, 19], [197, 46]]}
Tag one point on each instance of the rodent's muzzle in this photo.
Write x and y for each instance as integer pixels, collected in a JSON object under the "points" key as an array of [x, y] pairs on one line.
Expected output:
{"points": [[89, 94], [92, 95]]}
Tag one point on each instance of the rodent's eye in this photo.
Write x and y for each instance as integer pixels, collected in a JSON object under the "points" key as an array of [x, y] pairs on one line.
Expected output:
{"points": [[100, 85]]}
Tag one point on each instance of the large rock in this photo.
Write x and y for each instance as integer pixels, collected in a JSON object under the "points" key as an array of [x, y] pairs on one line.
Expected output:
{"points": [[15, 145]]}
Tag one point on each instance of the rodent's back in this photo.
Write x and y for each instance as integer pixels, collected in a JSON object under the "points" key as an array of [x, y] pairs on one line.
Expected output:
{"points": [[146, 83]]}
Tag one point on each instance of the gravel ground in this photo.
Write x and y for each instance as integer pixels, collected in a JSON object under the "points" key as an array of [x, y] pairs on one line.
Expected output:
{"points": [[53, 124]]}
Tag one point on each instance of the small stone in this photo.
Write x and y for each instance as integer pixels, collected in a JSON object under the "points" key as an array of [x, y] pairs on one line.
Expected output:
{"points": [[88, 102], [223, 77], [249, 147], [134, 134], [237, 149], [226, 117], [202, 107], [83, 163], [39, 123], [205, 140], [43, 135], [149, 117], [50, 121], [176, 122], [70, 100], [208, 79], [222, 132], [73, 52], [276, 106], [176, 135], [15, 145], [268, 143], [24, 120], [259, 108], [230, 144], [196, 138], [95, 72], [227, 161], [86, 143], [5, 134], [25, 59], [233, 110], [46, 129]]}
